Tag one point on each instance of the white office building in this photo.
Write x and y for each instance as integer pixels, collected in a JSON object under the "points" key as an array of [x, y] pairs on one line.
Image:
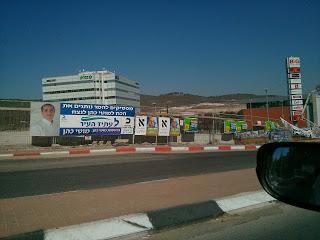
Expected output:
{"points": [[98, 87]]}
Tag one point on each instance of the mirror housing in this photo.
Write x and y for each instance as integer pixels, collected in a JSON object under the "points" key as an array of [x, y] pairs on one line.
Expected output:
{"points": [[290, 172]]}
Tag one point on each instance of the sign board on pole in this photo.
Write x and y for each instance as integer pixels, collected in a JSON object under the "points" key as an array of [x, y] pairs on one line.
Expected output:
{"points": [[141, 125], [293, 62], [296, 97], [294, 75], [175, 127], [127, 125], [164, 126], [296, 86], [294, 81], [296, 91], [297, 107], [297, 102], [190, 124], [152, 126]]}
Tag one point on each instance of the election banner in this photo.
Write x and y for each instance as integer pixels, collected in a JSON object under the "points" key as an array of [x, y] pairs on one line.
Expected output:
{"points": [[96, 110], [127, 125], [44, 119], [164, 126], [152, 126], [235, 126], [175, 127], [92, 119], [190, 124], [141, 125]]}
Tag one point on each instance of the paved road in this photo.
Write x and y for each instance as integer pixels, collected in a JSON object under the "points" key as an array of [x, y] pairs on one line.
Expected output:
{"points": [[276, 221], [42, 176]]}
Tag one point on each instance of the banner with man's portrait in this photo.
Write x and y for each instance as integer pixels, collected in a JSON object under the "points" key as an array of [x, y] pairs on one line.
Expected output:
{"points": [[44, 119]]}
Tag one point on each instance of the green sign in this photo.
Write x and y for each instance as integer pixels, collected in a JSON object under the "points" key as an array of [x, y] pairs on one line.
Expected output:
{"points": [[85, 77], [235, 126], [190, 124], [270, 125]]}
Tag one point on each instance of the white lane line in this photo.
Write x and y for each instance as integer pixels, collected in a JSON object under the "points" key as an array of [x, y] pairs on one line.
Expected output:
{"points": [[243, 200]]}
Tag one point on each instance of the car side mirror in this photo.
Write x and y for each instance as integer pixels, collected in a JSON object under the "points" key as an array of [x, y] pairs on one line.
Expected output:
{"points": [[290, 172]]}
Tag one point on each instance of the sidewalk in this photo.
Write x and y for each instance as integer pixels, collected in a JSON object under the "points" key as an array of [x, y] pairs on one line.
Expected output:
{"points": [[25, 214]]}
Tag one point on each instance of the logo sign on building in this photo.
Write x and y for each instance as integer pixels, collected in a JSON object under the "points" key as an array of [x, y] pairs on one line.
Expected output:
{"points": [[92, 119], [86, 77], [152, 126], [141, 125], [127, 125], [175, 127], [164, 126], [44, 119]]}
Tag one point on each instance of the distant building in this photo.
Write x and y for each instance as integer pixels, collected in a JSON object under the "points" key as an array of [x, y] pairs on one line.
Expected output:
{"points": [[98, 87], [256, 113]]}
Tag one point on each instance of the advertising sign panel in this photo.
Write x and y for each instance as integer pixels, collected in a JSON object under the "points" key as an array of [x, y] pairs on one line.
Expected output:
{"points": [[297, 102], [297, 107], [92, 119], [294, 81], [44, 119], [294, 75], [127, 125], [294, 97], [296, 91], [175, 127], [293, 62], [296, 86], [152, 126], [164, 126], [190, 124], [235, 126], [141, 125]]}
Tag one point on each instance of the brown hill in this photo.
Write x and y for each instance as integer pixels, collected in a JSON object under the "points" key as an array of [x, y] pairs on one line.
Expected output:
{"points": [[177, 99]]}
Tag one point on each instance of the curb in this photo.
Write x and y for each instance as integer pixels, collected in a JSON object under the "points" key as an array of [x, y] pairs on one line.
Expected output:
{"points": [[88, 151], [153, 220]]}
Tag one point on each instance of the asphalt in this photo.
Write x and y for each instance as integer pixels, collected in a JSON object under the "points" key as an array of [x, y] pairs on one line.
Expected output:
{"points": [[275, 221], [29, 177]]}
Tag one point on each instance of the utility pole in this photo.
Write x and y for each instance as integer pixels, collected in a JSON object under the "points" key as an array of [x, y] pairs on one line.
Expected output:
{"points": [[251, 114], [267, 104]]}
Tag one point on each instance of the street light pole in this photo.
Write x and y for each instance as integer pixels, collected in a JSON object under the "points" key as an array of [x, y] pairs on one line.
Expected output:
{"points": [[251, 114], [267, 104]]}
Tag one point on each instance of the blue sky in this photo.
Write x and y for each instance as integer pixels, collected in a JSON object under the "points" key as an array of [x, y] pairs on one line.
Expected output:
{"points": [[200, 47]]}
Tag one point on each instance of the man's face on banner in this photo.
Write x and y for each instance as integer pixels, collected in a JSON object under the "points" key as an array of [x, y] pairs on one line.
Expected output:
{"points": [[48, 112]]}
